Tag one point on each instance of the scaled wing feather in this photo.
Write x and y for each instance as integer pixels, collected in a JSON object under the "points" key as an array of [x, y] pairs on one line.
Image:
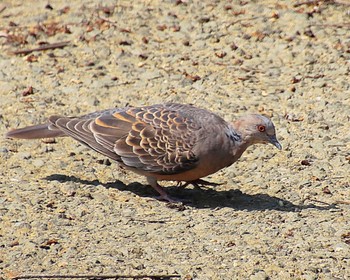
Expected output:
{"points": [[155, 139]]}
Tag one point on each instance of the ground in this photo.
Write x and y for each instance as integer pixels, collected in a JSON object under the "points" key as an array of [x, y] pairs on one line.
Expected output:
{"points": [[277, 214]]}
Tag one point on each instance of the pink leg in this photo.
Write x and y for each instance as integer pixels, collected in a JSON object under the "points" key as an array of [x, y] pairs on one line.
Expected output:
{"points": [[163, 195]]}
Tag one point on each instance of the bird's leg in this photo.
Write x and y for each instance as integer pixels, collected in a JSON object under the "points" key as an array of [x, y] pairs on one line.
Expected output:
{"points": [[163, 195]]}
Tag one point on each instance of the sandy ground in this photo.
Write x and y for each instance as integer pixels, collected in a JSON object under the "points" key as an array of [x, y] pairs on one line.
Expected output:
{"points": [[277, 215]]}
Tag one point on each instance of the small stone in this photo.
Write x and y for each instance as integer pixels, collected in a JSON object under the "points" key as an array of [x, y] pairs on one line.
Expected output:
{"points": [[4, 150], [38, 163], [24, 155]]}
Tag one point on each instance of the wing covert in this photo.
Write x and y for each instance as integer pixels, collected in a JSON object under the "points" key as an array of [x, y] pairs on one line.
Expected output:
{"points": [[154, 139]]}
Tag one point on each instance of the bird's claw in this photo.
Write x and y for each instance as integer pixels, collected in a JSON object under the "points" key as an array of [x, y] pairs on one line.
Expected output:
{"points": [[199, 183]]}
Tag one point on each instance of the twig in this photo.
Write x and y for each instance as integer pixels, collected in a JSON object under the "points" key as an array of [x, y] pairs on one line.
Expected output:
{"points": [[311, 2], [343, 202], [107, 20], [150, 221], [43, 48], [242, 19], [339, 25], [99, 277], [318, 76], [319, 201], [2, 8]]}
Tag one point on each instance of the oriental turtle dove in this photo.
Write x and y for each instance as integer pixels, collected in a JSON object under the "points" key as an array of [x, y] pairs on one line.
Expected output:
{"points": [[170, 141]]}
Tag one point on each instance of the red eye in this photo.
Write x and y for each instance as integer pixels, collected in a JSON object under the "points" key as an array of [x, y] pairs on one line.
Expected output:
{"points": [[261, 128]]}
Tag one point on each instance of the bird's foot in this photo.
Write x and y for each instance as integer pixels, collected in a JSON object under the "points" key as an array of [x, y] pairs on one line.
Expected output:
{"points": [[173, 203], [199, 183], [163, 196], [167, 198]]}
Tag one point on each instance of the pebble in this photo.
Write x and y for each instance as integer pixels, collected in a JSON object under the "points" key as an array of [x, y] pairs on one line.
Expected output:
{"points": [[260, 275], [4, 150], [270, 219], [38, 163], [24, 155]]}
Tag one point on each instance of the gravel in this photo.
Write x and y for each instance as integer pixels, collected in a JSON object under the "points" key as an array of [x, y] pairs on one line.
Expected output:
{"points": [[277, 215]]}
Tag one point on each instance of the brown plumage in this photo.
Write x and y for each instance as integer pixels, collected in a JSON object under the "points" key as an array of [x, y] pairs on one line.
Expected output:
{"points": [[163, 142]]}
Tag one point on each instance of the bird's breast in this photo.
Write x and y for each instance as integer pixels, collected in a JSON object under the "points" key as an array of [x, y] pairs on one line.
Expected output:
{"points": [[211, 158]]}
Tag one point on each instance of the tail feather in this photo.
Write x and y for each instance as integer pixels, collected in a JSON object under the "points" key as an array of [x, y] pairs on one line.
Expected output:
{"points": [[35, 132]]}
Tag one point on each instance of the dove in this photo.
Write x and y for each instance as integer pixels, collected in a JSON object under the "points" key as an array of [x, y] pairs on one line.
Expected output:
{"points": [[164, 142]]}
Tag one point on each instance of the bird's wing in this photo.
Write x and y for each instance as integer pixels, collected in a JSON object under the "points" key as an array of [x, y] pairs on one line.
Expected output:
{"points": [[155, 139]]}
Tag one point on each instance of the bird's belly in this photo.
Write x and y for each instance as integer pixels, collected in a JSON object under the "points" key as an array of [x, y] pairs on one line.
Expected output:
{"points": [[186, 176], [203, 169]]}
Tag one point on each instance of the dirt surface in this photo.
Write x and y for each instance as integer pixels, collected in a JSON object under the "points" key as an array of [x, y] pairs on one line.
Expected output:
{"points": [[277, 215]]}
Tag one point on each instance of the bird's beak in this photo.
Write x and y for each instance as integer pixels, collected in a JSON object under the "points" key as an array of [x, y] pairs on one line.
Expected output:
{"points": [[273, 140]]}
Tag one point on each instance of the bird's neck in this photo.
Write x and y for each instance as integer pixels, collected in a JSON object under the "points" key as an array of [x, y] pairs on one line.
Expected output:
{"points": [[239, 128], [239, 141]]}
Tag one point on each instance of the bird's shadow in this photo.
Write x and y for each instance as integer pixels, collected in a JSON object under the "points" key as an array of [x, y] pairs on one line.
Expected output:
{"points": [[203, 197]]}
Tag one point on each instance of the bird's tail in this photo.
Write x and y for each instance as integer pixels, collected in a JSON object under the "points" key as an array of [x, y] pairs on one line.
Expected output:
{"points": [[35, 132]]}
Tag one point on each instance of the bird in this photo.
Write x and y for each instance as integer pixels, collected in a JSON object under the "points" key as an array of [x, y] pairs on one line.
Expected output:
{"points": [[164, 142]]}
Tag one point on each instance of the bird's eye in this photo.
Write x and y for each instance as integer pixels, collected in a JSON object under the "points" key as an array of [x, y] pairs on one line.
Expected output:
{"points": [[261, 128]]}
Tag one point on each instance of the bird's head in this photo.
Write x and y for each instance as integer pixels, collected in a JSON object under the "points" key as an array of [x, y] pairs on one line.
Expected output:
{"points": [[257, 129]]}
